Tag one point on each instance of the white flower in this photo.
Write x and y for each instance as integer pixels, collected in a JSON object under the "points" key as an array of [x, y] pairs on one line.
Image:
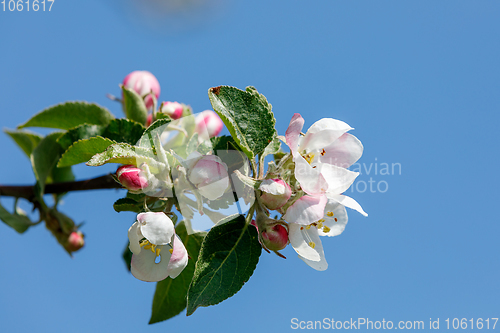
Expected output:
{"points": [[321, 158], [305, 238], [157, 250]]}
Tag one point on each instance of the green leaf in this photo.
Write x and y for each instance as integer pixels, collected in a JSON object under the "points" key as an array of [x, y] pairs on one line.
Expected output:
{"points": [[170, 296], [224, 142], [44, 158], [118, 130], [83, 150], [124, 130], [134, 106], [124, 153], [128, 205], [228, 257], [69, 115], [82, 132], [247, 115], [26, 140], [18, 222]]}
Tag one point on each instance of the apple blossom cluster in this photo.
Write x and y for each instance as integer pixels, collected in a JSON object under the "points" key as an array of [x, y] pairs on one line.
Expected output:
{"points": [[304, 187]]}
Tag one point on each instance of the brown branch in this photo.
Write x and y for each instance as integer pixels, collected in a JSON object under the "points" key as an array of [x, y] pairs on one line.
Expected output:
{"points": [[27, 192]]}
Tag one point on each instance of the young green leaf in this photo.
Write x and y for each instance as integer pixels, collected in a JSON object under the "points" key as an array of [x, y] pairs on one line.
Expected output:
{"points": [[118, 130], [124, 130], [170, 296], [124, 153], [44, 158], [69, 115], [228, 257], [247, 115], [26, 140], [134, 106], [82, 132], [19, 223], [83, 150]]}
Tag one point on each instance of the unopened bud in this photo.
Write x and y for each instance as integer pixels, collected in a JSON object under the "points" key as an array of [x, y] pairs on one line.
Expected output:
{"points": [[75, 241], [131, 177], [173, 109], [143, 82], [208, 122], [209, 175], [275, 237], [275, 193]]}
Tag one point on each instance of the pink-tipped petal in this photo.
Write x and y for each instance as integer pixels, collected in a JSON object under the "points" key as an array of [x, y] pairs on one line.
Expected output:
{"points": [[323, 133], [306, 210], [310, 179], [179, 258], [343, 152], [293, 132]]}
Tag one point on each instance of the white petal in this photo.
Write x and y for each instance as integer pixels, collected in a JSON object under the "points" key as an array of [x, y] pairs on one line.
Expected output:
{"points": [[321, 264], [336, 223], [156, 227], [293, 131], [144, 268], [134, 236], [272, 186], [214, 190], [179, 258], [343, 152], [309, 178], [348, 202], [306, 210], [299, 244], [323, 133], [338, 179]]}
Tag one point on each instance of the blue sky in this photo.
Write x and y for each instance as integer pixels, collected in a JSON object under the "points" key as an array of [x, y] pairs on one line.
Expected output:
{"points": [[418, 80]]}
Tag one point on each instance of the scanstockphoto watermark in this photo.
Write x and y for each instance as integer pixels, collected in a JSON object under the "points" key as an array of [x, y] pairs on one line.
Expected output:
{"points": [[383, 324], [378, 172]]}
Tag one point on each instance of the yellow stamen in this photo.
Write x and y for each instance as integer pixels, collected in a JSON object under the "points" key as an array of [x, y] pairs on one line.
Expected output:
{"points": [[308, 227], [329, 214], [321, 221], [147, 247], [309, 158], [326, 229], [312, 244], [158, 252], [153, 248], [171, 251], [143, 243]]}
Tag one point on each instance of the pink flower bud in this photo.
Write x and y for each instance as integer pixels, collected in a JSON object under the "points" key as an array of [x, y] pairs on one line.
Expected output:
{"points": [[208, 122], [275, 193], [173, 109], [75, 241], [143, 82], [209, 175], [275, 238], [131, 177]]}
